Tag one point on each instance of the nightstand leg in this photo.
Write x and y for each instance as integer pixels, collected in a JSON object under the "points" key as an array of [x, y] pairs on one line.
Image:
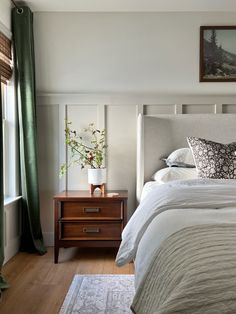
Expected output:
{"points": [[57, 206], [102, 187], [56, 254]]}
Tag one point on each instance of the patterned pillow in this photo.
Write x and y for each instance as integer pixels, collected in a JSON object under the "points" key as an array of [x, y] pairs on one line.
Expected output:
{"points": [[213, 160]]}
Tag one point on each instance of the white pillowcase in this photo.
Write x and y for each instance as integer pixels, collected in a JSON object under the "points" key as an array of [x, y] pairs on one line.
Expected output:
{"points": [[181, 156], [174, 173]]}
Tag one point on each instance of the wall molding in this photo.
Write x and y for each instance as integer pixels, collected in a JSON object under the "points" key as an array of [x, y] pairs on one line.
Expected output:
{"points": [[11, 249], [48, 238], [141, 101], [12, 229], [118, 114]]}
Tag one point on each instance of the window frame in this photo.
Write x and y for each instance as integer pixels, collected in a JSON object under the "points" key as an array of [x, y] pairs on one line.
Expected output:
{"points": [[10, 148]]}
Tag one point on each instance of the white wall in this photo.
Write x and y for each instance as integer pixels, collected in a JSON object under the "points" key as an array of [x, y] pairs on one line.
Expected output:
{"points": [[5, 13], [102, 67], [123, 52]]}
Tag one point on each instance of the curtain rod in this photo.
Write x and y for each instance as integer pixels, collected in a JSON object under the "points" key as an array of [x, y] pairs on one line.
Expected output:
{"points": [[15, 5], [19, 9]]}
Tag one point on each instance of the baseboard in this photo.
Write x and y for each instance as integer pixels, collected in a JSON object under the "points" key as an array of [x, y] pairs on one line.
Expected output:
{"points": [[48, 238], [11, 249], [13, 246], [12, 227]]}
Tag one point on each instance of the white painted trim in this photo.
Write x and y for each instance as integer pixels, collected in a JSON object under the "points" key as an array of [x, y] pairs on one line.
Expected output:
{"points": [[11, 147], [11, 249], [12, 228], [178, 108], [218, 108], [140, 156], [5, 30], [101, 121], [132, 99], [101, 116], [10, 200], [139, 109], [62, 147], [48, 238]]}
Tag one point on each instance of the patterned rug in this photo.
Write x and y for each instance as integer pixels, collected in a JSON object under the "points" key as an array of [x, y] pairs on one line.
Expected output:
{"points": [[99, 294]]}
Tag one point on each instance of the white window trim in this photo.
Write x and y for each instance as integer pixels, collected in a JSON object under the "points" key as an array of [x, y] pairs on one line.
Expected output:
{"points": [[11, 179], [10, 200], [10, 145], [5, 30]]}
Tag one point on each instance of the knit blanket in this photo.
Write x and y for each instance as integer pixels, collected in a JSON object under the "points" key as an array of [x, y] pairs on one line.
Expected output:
{"points": [[193, 272]]}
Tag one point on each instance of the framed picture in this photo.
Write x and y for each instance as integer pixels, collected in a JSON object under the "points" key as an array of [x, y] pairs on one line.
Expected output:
{"points": [[218, 54]]}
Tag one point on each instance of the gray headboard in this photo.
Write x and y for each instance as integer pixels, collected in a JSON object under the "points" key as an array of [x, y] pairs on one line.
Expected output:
{"points": [[159, 135]]}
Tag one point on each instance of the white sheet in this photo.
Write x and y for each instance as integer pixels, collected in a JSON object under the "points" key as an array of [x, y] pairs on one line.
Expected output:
{"points": [[186, 195]]}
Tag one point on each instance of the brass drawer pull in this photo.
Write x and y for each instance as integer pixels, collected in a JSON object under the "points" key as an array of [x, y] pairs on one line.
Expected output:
{"points": [[91, 230], [91, 210]]}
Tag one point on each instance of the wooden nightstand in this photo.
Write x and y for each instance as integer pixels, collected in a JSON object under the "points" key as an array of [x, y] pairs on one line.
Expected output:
{"points": [[84, 220]]}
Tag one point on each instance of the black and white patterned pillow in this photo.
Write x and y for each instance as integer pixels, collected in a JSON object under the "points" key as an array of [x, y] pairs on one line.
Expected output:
{"points": [[213, 160]]}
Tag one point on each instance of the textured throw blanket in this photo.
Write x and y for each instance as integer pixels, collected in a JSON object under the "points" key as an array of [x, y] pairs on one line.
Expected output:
{"points": [[189, 194], [193, 272]]}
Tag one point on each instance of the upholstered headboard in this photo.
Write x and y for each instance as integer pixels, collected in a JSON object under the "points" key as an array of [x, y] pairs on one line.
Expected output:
{"points": [[159, 135]]}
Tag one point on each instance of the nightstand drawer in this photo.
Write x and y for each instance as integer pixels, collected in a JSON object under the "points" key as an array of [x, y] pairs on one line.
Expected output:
{"points": [[91, 230], [82, 219], [112, 210]]}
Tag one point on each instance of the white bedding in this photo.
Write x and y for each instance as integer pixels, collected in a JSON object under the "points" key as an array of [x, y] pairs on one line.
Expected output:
{"points": [[170, 207], [147, 188]]}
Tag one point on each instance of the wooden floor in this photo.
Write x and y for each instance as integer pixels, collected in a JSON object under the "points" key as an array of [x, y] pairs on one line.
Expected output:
{"points": [[38, 286]]}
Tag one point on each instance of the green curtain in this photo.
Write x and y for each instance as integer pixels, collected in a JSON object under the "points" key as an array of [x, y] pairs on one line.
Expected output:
{"points": [[3, 283], [23, 40]]}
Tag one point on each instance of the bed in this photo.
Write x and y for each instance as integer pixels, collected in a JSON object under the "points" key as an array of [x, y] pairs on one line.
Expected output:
{"points": [[182, 237]]}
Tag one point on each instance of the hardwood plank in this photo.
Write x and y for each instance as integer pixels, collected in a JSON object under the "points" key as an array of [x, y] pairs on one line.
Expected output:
{"points": [[39, 286]]}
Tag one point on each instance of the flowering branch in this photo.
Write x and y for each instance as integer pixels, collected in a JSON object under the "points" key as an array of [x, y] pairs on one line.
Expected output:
{"points": [[87, 149]]}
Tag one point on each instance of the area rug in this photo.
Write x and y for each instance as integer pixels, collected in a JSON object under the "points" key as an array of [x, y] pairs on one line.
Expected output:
{"points": [[99, 294]]}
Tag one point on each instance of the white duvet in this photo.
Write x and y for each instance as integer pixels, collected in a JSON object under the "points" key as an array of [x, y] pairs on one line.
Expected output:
{"points": [[170, 207]]}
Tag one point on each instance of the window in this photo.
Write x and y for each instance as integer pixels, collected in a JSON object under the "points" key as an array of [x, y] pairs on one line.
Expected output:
{"points": [[9, 141], [3, 94], [9, 120]]}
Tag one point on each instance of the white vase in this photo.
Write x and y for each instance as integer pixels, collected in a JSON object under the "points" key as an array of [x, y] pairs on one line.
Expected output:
{"points": [[97, 176]]}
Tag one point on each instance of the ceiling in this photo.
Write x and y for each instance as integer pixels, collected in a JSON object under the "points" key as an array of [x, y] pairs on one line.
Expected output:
{"points": [[132, 5]]}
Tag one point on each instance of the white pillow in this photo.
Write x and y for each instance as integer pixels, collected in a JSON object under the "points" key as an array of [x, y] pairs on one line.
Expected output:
{"points": [[174, 173], [181, 157]]}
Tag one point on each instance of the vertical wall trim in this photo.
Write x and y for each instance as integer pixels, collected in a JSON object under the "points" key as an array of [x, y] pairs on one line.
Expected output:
{"points": [[66, 149], [218, 108], [140, 157], [101, 121], [5, 228], [101, 116], [139, 109], [139, 150], [178, 108], [61, 145]]}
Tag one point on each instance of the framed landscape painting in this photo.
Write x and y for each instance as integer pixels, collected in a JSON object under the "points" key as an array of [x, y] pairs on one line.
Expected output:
{"points": [[218, 54]]}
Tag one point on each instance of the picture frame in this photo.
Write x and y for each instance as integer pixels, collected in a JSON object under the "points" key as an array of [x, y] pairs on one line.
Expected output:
{"points": [[218, 54]]}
